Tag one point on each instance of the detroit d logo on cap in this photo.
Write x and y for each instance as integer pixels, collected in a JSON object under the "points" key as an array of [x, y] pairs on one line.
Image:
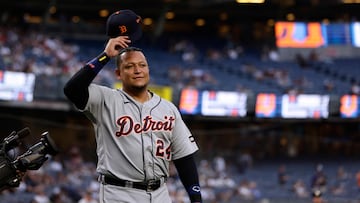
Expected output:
{"points": [[122, 29], [122, 23]]}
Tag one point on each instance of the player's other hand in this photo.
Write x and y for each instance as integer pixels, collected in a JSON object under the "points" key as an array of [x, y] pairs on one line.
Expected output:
{"points": [[115, 44]]}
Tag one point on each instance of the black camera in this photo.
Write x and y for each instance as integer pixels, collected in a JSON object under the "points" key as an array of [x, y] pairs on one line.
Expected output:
{"points": [[13, 166]]}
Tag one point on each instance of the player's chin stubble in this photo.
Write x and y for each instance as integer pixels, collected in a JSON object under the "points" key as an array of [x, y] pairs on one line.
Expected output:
{"points": [[138, 88]]}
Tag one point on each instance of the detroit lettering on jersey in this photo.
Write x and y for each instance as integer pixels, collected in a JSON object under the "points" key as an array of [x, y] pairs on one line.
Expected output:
{"points": [[127, 125]]}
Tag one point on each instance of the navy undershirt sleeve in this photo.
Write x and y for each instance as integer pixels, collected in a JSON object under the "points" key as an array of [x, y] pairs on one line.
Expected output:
{"points": [[188, 175], [76, 89]]}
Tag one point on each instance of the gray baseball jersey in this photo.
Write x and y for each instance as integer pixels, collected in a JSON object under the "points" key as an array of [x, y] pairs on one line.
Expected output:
{"points": [[136, 141]]}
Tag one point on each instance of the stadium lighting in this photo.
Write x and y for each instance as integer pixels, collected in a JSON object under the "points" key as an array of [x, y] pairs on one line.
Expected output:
{"points": [[350, 1], [251, 1]]}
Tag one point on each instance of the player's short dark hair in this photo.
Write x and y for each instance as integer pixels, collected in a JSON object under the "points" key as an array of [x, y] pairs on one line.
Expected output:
{"points": [[127, 49]]}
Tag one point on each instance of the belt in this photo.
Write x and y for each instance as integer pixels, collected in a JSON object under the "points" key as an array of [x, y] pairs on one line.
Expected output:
{"points": [[149, 185]]}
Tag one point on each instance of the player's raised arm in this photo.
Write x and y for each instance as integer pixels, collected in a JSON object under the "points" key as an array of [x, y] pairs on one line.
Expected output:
{"points": [[121, 26], [76, 89]]}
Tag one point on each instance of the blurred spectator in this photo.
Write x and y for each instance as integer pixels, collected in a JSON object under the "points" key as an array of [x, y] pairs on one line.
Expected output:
{"points": [[301, 61], [283, 79], [329, 85], [214, 54], [247, 190], [54, 166], [355, 88], [206, 168], [208, 194], [313, 56], [233, 50], [341, 174], [256, 194], [234, 53], [87, 198], [244, 190], [221, 181], [244, 162], [40, 195], [317, 196], [187, 50], [302, 82], [220, 165], [274, 55], [319, 179], [58, 195], [357, 177], [283, 176], [300, 189]]}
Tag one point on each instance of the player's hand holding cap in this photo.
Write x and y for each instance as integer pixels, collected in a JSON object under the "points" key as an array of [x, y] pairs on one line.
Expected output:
{"points": [[124, 23]]}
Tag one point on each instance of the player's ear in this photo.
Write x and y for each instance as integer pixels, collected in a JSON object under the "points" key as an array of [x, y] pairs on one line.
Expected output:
{"points": [[117, 73]]}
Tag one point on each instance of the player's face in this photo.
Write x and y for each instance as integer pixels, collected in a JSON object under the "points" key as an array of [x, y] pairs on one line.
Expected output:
{"points": [[134, 70]]}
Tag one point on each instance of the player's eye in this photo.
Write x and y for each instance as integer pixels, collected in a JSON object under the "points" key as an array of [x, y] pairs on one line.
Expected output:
{"points": [[143, 65], [129, 66]]}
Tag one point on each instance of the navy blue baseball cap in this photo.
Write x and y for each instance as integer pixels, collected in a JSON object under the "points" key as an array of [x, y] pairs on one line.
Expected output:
{"points": [[124, 23]]}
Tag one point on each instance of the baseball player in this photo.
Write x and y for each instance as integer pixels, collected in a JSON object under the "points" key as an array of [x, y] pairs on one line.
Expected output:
{"points": [[137, 132]]}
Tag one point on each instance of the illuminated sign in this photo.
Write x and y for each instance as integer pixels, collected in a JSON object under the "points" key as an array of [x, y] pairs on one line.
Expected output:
{"points": [[349, 106], [314, 34], [213, 103], [355, 34], [267, 106], [305, 106], [16, 86], [299, 35], [337, 33], [223, 103], [189, 102]]}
